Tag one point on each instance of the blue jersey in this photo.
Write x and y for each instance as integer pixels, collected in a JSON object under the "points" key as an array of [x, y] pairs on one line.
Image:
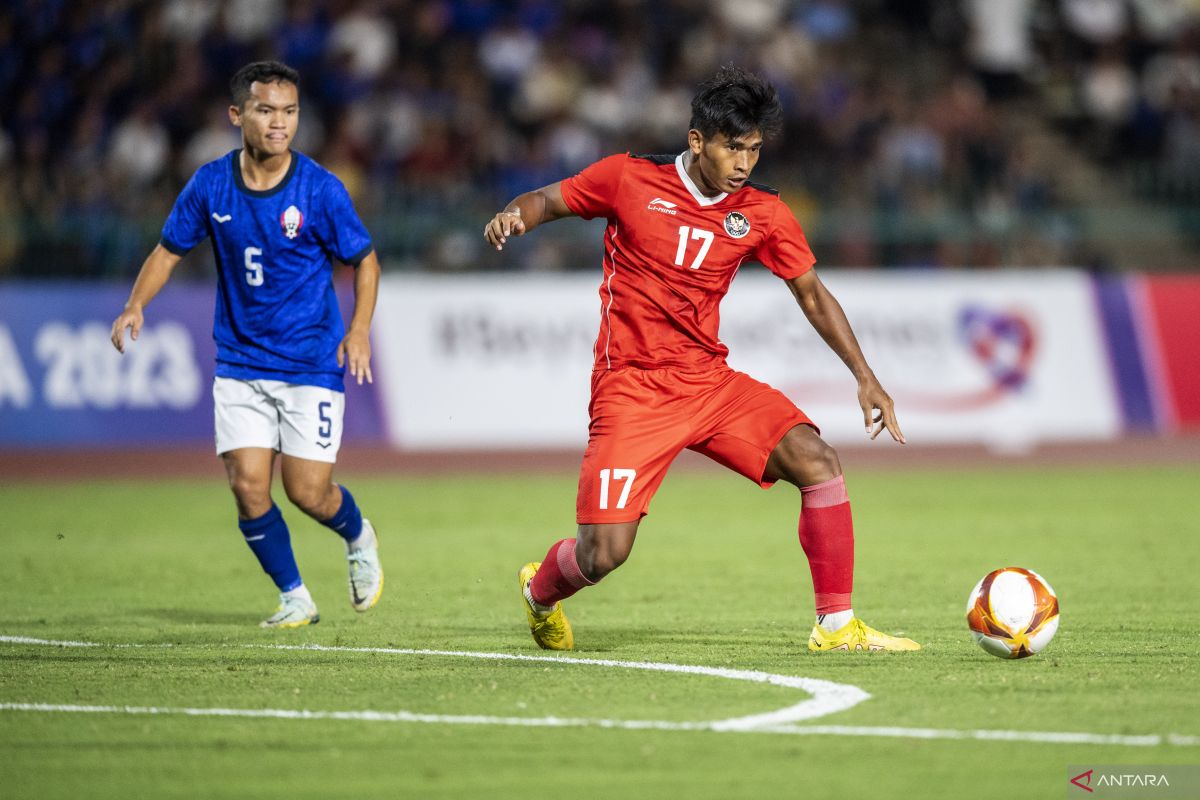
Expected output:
{"points": [[276, 313]]}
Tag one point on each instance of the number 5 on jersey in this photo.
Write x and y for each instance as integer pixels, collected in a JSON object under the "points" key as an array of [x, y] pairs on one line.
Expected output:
{"points": [[254, 271], [608, 475]]}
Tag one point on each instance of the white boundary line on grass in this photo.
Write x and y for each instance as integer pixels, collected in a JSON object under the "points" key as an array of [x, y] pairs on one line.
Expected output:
{"points": [[827, 698]]}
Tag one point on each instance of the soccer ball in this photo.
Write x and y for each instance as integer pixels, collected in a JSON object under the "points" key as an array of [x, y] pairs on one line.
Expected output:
{"points": [[1012, 613]]}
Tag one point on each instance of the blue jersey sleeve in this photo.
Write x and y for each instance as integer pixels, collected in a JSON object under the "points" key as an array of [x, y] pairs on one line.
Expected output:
{"points": [[186, 226], [346, 236]]}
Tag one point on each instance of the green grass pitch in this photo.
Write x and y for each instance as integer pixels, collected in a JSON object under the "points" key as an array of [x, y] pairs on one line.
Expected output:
{"points": [[717, 579]]}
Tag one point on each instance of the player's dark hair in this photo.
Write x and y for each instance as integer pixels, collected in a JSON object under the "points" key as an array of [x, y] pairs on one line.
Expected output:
{"points": [[263, 72], [736, 102]]}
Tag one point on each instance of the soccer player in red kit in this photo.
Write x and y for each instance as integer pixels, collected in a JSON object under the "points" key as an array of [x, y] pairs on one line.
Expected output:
{"points": [[678, 229]]}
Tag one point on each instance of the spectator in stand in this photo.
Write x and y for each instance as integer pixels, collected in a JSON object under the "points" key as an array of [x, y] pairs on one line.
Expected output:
{"points": [[453, 105]]}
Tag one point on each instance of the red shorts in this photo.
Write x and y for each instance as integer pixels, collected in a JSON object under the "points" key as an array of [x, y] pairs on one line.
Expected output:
{"points": [[642, 419]]}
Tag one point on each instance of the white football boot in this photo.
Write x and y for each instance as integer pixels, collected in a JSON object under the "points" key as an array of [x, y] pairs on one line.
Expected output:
{"points": [[366, 573], [293, 612]]}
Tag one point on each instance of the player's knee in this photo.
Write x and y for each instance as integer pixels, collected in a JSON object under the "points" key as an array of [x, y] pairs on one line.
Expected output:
{"points": [[600, 549], [825, 461], [600, 558], [251, 492], [803, 458], [603, 562], [309, 497]]}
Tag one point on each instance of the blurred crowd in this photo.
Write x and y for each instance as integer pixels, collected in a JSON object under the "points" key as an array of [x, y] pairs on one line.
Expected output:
{"points": [[926, 133]]}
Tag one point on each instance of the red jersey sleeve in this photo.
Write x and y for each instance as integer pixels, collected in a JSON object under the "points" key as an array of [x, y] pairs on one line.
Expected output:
{"points": [[784, 250], [593, 192]]}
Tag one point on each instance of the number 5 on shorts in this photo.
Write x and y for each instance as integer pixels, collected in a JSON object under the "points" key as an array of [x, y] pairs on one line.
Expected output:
{"points": [[626, 475], [326, 423]]}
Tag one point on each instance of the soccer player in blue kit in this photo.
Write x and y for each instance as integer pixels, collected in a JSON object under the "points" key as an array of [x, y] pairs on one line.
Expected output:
{"points": [[277, 219]]}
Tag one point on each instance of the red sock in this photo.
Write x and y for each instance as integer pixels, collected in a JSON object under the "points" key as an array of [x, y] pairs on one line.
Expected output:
{"points": [[827, 536], [559, 577]]}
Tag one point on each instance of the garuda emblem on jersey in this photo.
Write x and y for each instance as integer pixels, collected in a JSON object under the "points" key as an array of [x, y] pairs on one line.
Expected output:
{"points": [[736, 224], [292, 220]]}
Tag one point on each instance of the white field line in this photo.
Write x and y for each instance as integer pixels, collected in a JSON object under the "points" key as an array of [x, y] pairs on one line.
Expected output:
{"points": [[827, 698], [1042, 737]]}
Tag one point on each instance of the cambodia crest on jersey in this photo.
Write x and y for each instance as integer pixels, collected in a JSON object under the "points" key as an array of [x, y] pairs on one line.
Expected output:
{"points": [[736, 224], [292, 220]]}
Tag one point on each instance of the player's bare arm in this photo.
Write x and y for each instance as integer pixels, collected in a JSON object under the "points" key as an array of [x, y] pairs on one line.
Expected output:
{"points": [[825, 314], [525, 212], [153, 276], [356, 346]]}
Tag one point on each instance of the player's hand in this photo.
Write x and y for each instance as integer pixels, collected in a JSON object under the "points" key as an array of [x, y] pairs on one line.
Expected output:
{"points": [[356, 348], [130, 318], [503, 225], [878, 410]]}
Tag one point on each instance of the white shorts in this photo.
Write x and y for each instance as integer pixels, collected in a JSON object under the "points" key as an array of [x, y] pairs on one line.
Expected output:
{"points": [[300, 421]]}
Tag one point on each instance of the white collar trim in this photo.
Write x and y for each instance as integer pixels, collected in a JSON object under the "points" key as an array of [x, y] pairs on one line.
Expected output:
{"points": [[691, 186]]}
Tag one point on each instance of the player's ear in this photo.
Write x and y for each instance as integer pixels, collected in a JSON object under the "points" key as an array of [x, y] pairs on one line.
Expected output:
{"points": [[235, 116], [695, 141]]}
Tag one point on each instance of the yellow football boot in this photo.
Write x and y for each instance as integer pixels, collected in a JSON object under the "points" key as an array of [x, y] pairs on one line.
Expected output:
{"points": [[552, 631], [856, 636]]}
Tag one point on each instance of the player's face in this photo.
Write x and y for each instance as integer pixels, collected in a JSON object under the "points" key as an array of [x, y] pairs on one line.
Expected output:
{"points": [[268, 119], [723, 164]]}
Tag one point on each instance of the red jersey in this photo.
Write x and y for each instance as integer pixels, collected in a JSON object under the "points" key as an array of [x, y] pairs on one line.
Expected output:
{"points": [[670, 254]]}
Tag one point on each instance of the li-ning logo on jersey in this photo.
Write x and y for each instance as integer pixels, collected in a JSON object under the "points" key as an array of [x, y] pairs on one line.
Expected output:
{"points": [[663, 206], [292, 220], [736, 224]]}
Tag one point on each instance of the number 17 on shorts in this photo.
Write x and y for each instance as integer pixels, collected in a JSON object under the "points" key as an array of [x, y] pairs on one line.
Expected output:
{"points": [[611, 494], [623, 478]]}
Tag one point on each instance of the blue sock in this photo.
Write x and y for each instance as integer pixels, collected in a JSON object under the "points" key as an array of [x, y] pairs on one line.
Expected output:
{"points": [[347, 522], [268, 537]]}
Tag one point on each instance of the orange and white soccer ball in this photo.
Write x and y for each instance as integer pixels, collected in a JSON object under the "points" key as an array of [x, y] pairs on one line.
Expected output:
{"points": [[1012, 613]]}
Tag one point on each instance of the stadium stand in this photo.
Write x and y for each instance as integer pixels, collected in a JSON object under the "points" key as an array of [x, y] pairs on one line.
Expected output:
{"points": [[919, 133]]}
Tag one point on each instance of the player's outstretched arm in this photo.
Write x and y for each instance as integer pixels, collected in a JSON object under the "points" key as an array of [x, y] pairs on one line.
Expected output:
{"points": [[153, 276], [825, 314], [356, 346], [525, 212]]}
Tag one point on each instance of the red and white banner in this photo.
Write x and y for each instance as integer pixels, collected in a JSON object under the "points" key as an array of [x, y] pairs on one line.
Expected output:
{"points": [[503, 361]]}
